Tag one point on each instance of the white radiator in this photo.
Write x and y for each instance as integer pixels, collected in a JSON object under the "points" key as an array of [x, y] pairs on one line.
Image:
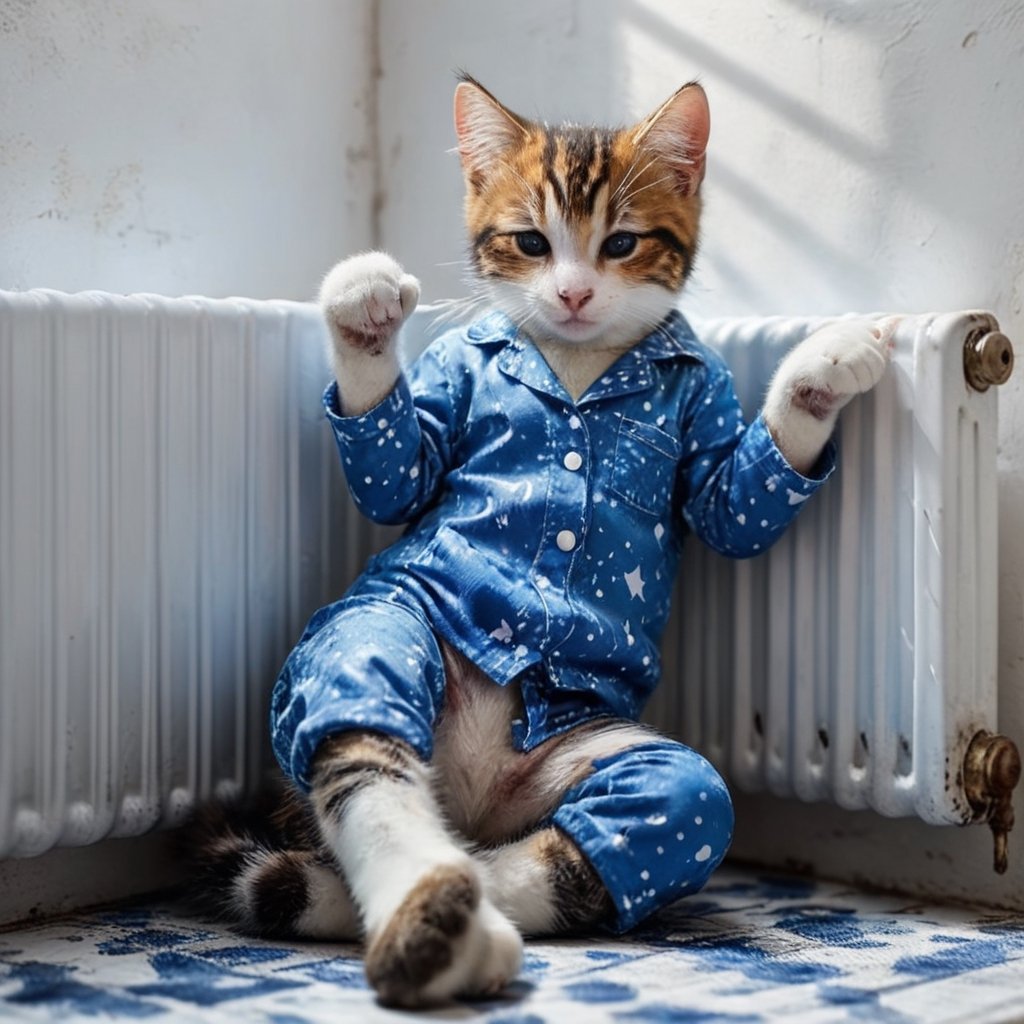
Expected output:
{"points": [[171, 511], [170, 514]]}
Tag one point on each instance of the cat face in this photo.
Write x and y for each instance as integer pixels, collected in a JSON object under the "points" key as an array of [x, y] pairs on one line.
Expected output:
{"points": [[582, 235]]}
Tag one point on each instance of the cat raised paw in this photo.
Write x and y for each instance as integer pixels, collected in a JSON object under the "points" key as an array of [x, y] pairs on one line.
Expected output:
{"points": [[837, 362], [365, 299], [818, 378]]}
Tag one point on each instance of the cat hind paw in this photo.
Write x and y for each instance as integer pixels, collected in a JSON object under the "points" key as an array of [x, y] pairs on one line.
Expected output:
{"points": [[444, 940]]}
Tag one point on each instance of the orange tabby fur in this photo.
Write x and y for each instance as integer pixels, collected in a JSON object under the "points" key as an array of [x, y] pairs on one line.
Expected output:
{"points": [[592, 180]]}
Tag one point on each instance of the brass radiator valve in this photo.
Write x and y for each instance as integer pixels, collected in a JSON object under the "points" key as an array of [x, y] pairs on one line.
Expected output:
{"points": [[991, 771], [988, 359]]}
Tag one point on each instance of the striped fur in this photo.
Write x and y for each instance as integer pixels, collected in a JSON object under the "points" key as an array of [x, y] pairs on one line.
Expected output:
{"points": [[350, 763], [261, 864]]}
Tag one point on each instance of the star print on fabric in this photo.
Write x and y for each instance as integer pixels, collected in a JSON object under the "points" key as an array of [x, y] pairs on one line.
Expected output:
{"points": [[636, 584], [503, 632]]}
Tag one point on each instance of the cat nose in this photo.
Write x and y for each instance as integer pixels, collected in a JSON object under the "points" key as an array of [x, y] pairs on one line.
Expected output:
{"points": [[575, 298]]}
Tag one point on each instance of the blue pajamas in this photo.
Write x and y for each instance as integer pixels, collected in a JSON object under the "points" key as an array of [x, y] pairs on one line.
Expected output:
{"points": [[543, 540], [654, 820]]}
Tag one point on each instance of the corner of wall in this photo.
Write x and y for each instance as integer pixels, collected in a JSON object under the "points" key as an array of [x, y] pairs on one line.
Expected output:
{"points": [[375, 72]]}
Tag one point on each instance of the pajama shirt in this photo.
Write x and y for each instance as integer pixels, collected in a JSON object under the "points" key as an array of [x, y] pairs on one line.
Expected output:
{"points": [[543, 539]]}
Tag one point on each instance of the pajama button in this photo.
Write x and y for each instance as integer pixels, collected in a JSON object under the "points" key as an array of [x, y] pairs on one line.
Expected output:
{"points": [[566, 540], [572, 460]]}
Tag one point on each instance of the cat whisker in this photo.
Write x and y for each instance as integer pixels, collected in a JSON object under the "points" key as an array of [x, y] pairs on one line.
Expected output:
{"points": [[529, 193], [450, 311], [635, 192], [522, 314], [631, 176], [626, 177]]}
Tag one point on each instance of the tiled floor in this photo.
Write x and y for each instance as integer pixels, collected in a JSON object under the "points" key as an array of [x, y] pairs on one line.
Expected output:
{"points": [[748, 949]]}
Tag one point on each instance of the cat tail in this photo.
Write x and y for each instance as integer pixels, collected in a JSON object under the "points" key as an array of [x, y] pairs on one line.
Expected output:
{"points": [[256, 862]]}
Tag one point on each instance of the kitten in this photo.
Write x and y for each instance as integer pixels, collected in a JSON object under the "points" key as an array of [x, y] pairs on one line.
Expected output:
{"points": [[461, 726]]}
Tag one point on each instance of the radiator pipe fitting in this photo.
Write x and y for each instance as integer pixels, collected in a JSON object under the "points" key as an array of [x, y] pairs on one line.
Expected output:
{"points": [[988, 359], [992, 769]]}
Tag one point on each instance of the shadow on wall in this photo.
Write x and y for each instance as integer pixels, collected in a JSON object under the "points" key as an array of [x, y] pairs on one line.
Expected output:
{"points": [[752, 191], [856, 122], [832, 181]]}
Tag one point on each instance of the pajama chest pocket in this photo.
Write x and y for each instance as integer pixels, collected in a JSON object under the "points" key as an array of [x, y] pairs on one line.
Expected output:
{"points": [[645, 466]]}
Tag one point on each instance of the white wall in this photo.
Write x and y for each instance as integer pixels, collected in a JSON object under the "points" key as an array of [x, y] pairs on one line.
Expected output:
{"points": [[182, 146], [864, 156]]}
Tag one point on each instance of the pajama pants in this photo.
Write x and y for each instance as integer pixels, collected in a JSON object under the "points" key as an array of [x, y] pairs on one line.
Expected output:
{"points": [[653, 820]]}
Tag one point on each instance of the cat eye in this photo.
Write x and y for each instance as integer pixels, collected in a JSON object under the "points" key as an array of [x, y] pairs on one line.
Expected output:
{"points": [[619, 245], [532, 243]]}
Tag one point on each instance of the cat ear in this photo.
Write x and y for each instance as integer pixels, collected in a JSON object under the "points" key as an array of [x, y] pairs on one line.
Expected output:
{"points": [[485, 128], [677, 132]]}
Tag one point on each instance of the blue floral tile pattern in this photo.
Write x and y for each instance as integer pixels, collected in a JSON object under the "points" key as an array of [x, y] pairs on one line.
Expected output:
{"points": [[747, 950]]}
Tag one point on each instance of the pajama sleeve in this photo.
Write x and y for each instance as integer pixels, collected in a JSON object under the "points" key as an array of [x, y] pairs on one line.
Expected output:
{"points": [[739, 492], [395, 456]]}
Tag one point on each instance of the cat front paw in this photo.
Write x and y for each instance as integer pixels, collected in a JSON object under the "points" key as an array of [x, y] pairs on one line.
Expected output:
{"points": [[835, 363], [365, 299]]}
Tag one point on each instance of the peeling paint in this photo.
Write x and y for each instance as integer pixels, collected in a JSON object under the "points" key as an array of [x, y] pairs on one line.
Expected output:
{"points": [[123, 187], [65, 179], [16, 148]]}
